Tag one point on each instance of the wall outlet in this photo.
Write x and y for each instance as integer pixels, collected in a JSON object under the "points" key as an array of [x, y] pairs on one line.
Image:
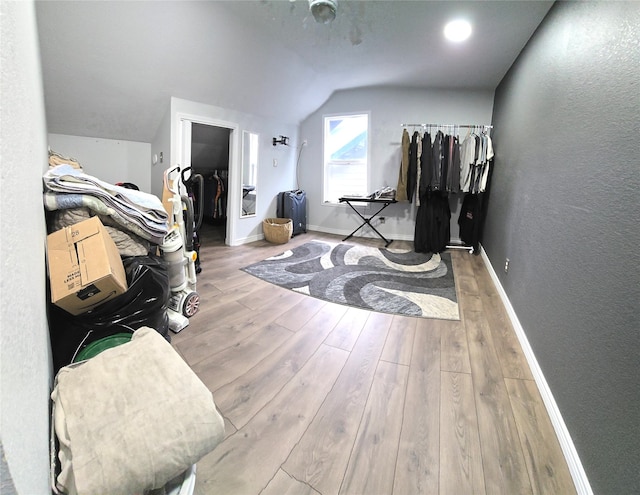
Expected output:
{"points": [[304, 143], [506, 265], [382, 219]]}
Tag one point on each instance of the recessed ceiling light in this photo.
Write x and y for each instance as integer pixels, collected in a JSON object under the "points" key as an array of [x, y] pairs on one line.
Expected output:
{"points": [[458, 30]]}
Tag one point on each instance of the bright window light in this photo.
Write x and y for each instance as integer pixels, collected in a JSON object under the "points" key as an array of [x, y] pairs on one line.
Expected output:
{"points": [[346, 164], [457, 31]]}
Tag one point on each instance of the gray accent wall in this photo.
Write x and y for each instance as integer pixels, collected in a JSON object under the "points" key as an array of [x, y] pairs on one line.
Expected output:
{"points": [[564, 209]]}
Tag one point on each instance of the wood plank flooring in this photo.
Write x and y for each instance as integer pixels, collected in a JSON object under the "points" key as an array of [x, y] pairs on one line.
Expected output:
{"points": [[323, 399]]}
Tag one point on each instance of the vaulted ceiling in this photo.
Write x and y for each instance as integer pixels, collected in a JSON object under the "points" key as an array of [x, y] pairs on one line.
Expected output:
{"points": [[110, 67]]}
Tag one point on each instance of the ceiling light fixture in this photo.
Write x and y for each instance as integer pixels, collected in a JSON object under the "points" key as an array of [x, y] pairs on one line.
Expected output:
{"points": [[324, 11], [457, 31]]}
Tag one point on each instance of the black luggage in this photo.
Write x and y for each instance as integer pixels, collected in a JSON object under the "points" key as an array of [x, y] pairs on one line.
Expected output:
{"points": [[293, 205]]}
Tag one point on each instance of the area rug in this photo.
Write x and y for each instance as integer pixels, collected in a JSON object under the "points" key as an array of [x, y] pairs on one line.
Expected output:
{"points": [[385, 280]]}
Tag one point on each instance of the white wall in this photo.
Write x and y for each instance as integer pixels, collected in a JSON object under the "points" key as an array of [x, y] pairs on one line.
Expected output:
{"points": [[271, 180], [389, 108], [109, 160], [25, 354], [161, 148]]}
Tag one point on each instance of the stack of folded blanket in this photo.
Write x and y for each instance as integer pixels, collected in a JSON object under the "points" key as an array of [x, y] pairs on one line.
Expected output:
{"points": [[134, 212], [56, 159]]}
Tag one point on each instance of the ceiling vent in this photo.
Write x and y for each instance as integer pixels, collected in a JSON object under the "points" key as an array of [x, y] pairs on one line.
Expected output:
{"points": [[324, 11]]}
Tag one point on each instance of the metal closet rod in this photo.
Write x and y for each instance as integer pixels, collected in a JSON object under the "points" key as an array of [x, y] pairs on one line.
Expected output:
{"points": [[466, 126]]}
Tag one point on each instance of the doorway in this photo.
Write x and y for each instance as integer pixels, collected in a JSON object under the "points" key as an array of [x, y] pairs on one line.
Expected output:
{"points": [[209, 146], [210, 158]]}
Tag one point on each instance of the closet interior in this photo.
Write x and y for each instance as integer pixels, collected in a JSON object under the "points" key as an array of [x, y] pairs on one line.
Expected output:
{"points": [[210, 158]]}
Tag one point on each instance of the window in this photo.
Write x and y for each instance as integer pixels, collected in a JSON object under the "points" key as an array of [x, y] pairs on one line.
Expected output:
{"points": [[346, 149]]}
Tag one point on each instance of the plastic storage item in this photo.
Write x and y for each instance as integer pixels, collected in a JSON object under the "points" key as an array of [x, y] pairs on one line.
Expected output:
{"points": [[96, 347]]}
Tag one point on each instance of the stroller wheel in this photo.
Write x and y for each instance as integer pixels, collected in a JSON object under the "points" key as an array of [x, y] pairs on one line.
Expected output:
{"points": [[191, 304]]}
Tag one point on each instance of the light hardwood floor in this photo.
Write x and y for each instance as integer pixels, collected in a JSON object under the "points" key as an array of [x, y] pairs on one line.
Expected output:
{"points": [[320, 398]]}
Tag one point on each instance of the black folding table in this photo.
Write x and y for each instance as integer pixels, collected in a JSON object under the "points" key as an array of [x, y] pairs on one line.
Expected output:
{"points": [[367, 221]]}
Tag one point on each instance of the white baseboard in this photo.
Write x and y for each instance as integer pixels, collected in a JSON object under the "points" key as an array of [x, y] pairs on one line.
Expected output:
{"points": [[566, 443], [247, 240]]}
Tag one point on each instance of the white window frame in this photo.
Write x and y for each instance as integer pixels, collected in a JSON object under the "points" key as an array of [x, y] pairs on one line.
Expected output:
{"points": [[326, 162]]}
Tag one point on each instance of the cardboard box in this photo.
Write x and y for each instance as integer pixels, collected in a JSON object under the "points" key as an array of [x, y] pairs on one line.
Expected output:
{"points": [[85, 269]]}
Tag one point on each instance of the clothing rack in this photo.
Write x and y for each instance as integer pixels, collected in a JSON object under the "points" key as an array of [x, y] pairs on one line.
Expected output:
{"points": [[460, 246], [463, 126], [483, 127]]}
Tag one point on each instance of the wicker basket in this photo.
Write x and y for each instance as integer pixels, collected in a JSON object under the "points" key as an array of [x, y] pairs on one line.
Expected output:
{"points": [[277, 230]]}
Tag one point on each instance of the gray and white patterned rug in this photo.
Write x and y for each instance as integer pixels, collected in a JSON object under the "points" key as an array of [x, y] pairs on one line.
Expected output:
{"points": [[384, 280]]}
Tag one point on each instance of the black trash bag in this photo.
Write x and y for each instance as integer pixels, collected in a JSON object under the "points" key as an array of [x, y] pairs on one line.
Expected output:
{"points": [[144, 304], [145, 301]]}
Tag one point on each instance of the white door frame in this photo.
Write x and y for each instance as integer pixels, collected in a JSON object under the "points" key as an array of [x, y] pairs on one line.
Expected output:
{"points": [[183, 145]]}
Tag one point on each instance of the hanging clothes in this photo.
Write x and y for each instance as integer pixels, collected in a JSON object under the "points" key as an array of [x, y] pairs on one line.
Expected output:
{"points": [[418, 171], [217, 200], [477, 167], [412, 172], [433, 224], [401, 189], [475, 157], [437, 157], [444, 164], [470, 220], [426, 170], [215, 195], [220, 200], [439, 165], [488, 160], [467, 161], [432, 230], [453, 165]]}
